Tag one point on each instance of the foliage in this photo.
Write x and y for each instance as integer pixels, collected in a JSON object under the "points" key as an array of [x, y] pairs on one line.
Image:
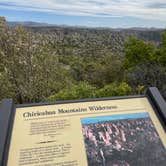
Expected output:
{"points": [[145, 64], [137, 52], [114, 89], [148, 75], [27, 68], [85, 90], [55, 63], [161, 52], [82, 90]]}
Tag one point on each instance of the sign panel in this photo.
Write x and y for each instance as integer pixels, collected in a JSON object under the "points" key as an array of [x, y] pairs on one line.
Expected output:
{"points": [[120, 132]]}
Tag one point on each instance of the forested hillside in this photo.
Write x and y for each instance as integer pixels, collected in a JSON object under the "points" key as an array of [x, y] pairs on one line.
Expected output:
{"points": [[56, 63], [96, 41]]}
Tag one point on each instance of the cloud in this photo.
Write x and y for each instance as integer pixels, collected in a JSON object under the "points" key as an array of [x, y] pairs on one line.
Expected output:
{"points": [[146, 9], [157, 5]]}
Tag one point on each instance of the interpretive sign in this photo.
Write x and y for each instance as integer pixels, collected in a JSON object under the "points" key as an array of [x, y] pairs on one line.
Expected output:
{"points": [[121, 131]]}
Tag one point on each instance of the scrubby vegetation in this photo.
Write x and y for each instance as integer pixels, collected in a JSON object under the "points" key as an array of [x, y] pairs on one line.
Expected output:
{"points": [[41, 64]]}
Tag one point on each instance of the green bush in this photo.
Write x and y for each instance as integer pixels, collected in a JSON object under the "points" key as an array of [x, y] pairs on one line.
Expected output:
{"points": [[137, 52], [82, 90], [114, 89], [85, 90]]}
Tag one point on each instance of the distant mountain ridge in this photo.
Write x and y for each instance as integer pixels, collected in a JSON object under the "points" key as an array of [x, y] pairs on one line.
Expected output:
{"points": [[42, 24], [28, 23]]}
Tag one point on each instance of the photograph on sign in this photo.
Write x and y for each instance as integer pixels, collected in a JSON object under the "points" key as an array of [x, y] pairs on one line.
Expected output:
{"points": [[127, 139]]}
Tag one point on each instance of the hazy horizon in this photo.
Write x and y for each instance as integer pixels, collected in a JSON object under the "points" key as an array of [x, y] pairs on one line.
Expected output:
{"points": [[45, 24], [89, 13]]}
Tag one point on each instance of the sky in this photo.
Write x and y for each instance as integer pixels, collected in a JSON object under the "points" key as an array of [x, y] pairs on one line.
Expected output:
{"points": [[90, 13], [114, 118]]}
